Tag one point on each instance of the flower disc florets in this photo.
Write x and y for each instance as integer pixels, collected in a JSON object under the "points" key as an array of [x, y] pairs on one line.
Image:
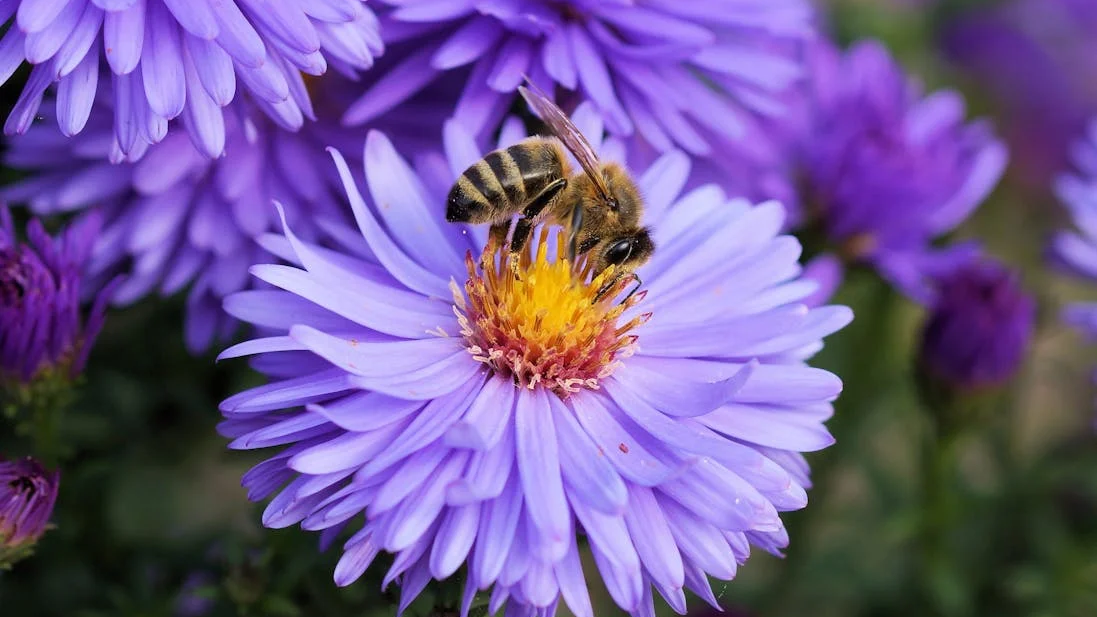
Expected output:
{"points": [[545, 321]]}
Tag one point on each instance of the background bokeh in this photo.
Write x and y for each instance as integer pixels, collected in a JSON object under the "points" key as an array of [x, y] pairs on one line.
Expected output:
{"points": [[152, 520]]}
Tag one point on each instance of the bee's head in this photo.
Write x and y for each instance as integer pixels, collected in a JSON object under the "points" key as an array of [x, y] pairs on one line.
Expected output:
{"points": [[626, 252], [624, 201]]}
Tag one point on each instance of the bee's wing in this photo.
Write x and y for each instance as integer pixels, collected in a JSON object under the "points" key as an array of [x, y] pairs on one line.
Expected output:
{"points": [[562, 127]]}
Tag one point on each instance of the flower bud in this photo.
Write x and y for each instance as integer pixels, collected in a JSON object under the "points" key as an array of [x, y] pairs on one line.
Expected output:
{"points": [[27, 494], [978, 329], [41, 326]]}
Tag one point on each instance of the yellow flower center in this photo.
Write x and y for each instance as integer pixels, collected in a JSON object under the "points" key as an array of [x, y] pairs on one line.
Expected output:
{"points": [[547, 323]]}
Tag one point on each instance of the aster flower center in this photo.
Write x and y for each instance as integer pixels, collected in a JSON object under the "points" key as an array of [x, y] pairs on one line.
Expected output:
{"points": [[545, 322]]}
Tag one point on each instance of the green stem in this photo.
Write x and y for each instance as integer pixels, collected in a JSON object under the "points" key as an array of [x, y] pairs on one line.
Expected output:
{"points": [[936, 561]]}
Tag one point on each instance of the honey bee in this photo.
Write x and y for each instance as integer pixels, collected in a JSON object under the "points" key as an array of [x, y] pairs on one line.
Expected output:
{"points": [[533, 179]]}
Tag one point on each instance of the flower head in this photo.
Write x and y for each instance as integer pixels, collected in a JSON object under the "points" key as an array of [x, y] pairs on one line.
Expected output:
{"points": [[680, 75], [42, 329], [174, 217], [483, 414], [27, 494], [886, 170], [979, 327], [179, 58]]}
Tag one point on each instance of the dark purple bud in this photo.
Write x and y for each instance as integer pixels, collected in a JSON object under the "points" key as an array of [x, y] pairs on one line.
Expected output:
{"points": [[41, 324], [979, 327], [27, 494]]}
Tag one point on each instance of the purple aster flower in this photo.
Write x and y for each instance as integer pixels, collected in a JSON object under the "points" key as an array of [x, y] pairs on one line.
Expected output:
{"points": [[1075, 251], [884, 170], [176, 217], [42, 329], [27, 494], [979, 327], [1037, 59], [179, 58], [677, 74], [466, 415]]}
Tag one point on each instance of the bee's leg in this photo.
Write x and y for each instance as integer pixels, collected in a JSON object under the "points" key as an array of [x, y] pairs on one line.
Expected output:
{"points": [[532, 212], [610, 285], [497, 237], [576, 225]]}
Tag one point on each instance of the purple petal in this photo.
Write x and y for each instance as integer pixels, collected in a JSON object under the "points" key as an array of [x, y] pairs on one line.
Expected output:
{"points": [[214, 68], [195, 16], [237, 36], [396, 86], [124, 37], [454, 540], [498, 523], [589, 476], [76, 47], [75, 95], [539, 464], [162, 65], [483, 424]]}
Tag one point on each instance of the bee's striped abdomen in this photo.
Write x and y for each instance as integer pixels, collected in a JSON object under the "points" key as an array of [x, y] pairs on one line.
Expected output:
{"points": [[501, 184]]}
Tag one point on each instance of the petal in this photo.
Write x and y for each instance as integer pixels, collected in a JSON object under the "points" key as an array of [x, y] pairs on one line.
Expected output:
{"points": [[396, 86], [287, 393], [214, 68], [76, 94], [467, 44], [366, 411], [652, 537], [405, 208], [786, 428], [195, 16], [674, 396], [539, 465], [587, 473], [454, 540], [630, 459], [399, 264], [162, 65], [498, 523], [483, 424], [124, 37]]}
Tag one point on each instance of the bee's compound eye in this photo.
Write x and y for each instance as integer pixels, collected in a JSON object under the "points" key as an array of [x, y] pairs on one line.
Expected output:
{"points": [[619, 252], [614, 204]]}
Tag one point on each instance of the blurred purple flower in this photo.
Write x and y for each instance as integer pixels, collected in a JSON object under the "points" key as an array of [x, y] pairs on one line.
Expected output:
{"points": [[1037, 58], [175, 217], [979, 327], [884, 170], [41, 325], [682, 75], [1075, 251], [179, 58], [27, 494], [672, 443]]}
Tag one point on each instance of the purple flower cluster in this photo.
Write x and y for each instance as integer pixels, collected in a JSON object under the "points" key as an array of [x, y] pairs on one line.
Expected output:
{"points": [[41, 323], [885, 170], [667, 429], [678, 75], [184, 59]]}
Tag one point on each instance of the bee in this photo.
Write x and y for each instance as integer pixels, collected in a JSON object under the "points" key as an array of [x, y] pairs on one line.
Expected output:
{"points": [[600, 204]]}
